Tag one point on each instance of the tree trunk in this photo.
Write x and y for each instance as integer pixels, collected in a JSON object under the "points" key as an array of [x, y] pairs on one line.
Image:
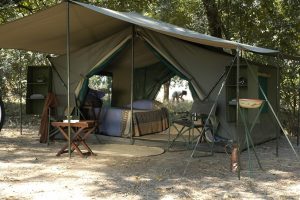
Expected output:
{"points": [[213, 17], [166, 91]]}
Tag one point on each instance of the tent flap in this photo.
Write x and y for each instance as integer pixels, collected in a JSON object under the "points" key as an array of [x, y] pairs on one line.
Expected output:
{"points": [[85, 60], [189, 60], [148, 80]]}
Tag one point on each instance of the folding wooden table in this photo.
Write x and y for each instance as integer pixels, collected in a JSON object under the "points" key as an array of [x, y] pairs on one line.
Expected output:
{"points": [[79, 132]]}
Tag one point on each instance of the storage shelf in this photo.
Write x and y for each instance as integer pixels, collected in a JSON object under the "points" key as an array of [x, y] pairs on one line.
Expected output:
{"points": [[38, 83], [231, 93]]}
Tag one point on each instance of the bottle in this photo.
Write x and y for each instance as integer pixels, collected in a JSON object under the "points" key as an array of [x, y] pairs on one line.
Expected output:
{"points": [[234, 165]]}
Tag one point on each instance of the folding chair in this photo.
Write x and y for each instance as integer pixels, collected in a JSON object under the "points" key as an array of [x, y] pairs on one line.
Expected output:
{"points": [[193, 120], [56, 112]]}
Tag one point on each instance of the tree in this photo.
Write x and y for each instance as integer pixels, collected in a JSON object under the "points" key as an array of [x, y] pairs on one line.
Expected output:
{"points": [[166, 91], [213, 17]]}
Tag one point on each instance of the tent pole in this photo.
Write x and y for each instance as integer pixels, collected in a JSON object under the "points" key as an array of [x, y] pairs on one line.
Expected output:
{"points": [[68, 72], [277, 107], [20, 90], [237, 90], [237, 108], [237, 85], [298, 128], [131, 84]]}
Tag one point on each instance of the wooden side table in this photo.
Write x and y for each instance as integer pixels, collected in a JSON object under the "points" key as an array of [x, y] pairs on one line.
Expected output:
{"points": [[79, 132]]}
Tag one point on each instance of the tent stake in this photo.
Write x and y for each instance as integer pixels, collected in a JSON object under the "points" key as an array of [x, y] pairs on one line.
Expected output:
{"points": [[68, 72]]}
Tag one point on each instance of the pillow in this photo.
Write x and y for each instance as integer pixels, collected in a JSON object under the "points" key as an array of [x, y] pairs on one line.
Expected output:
{"points": [[144, 104]]}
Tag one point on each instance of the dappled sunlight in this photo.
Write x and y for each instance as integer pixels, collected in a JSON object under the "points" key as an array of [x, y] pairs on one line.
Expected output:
{"points": [[30, 170], [282, 174], [43, 190]]}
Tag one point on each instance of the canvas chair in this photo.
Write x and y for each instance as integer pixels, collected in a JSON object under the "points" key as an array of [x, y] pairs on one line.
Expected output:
{"points": [[192, 120], [56, 112], [52, 117]]}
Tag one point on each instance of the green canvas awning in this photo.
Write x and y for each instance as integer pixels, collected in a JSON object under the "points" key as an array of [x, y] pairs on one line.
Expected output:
{"points": [[45, 31]]}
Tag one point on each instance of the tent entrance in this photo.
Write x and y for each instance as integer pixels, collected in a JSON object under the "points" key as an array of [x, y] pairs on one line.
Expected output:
{"points": [[151, 71], [103, 82]]}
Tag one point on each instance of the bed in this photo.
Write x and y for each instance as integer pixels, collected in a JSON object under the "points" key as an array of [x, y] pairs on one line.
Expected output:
{"points": [[148, 117]]}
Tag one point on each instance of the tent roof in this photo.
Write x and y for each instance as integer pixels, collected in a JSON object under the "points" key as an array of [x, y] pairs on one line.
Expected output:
{"points": [[45, 31]]}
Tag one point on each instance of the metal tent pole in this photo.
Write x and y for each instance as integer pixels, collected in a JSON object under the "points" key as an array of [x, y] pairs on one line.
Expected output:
{"points": [[298, 127], [68, 72], [131, 84], [237, 108], [20, 90], [277, 107], [237, 85]]}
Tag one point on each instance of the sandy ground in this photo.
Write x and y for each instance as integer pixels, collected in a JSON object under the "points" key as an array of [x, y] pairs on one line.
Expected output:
{"points": [[30, 170]]}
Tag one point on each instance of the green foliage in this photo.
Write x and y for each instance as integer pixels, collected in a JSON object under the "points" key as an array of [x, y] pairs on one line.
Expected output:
{"points": [[268, 23], [179, 107], [290, 95], [176, 81], [104, 84]]}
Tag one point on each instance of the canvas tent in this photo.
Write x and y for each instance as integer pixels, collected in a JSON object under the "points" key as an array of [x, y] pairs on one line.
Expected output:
{"points": [[129, 43]]}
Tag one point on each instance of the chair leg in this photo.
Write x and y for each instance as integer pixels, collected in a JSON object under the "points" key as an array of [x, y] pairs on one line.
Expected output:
{"points": [[180, 134], [169, 137], [201, 138]]}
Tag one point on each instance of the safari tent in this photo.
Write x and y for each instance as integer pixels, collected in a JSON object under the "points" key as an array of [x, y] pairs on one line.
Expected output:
{"points": [[142, 53]]}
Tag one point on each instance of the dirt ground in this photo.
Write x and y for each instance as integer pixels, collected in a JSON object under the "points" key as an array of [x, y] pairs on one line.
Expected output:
{"points": [[30, 170]]}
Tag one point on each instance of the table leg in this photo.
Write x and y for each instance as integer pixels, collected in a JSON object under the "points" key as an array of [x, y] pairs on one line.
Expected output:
{"points": [[82, 141], [74, 146], [62, 150], [76, 140]]}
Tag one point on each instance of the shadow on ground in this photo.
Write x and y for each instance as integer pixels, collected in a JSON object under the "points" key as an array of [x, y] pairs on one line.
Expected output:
{"points": [[30, 170]]}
